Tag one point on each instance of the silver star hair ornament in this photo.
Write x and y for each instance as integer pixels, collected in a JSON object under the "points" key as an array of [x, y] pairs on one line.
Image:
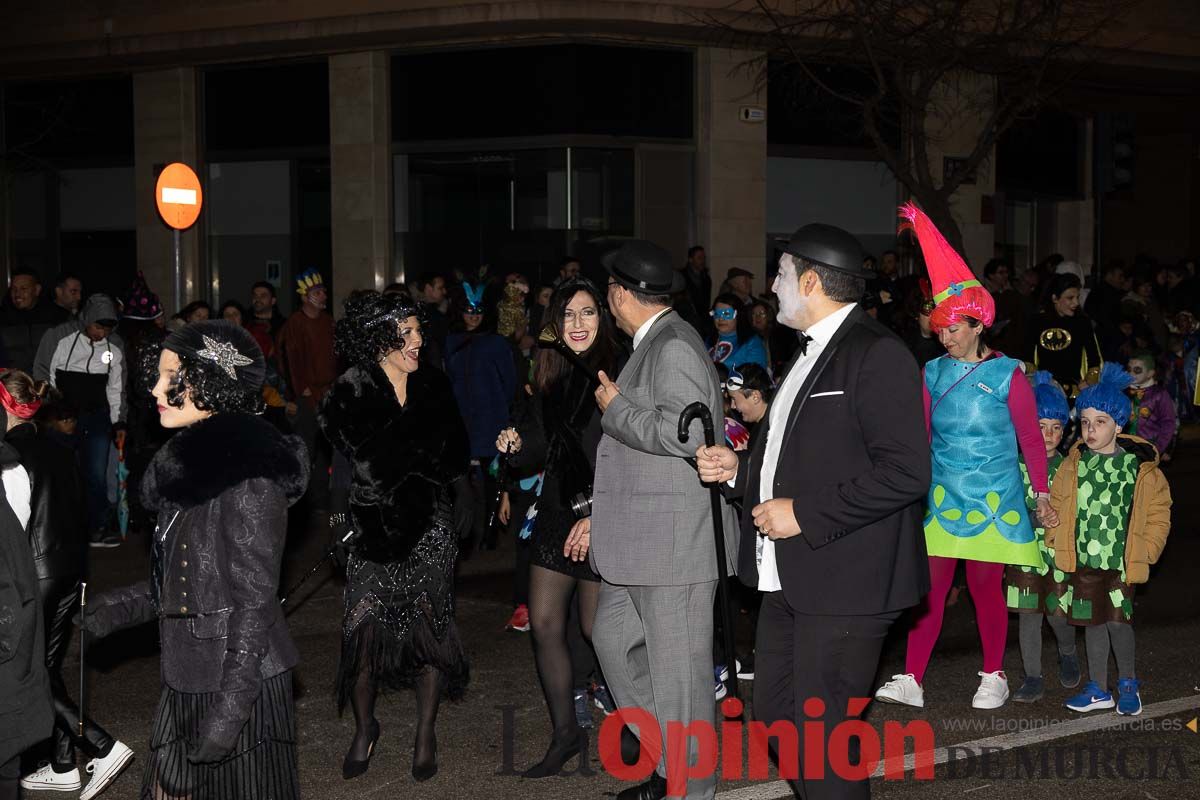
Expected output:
{"points": [[224, 355]]}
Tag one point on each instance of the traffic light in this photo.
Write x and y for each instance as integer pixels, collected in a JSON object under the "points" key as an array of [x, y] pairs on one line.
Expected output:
{"points": [[1114, 139]]}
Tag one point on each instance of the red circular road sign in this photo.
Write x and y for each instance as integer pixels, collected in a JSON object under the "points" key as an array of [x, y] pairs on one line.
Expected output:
{"points": [[178, 196]]}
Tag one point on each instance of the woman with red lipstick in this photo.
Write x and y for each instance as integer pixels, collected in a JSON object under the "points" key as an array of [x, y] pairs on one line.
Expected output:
{"points": [[221, 486], [399, 427], [558, 432]]}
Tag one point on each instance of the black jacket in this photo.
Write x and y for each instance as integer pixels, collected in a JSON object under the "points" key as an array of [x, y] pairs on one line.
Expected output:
{"points": [[221, 488], [58, 511], [21, 331], [26, 714], [404, 458], [855, 461]]}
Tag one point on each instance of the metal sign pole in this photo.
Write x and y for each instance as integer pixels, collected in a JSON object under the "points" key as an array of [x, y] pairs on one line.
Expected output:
{"points": [[178, 272]]}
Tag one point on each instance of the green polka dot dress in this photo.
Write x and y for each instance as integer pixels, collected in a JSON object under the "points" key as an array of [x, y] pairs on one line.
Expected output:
{"points": [[1040, 589], [1097, 591]]}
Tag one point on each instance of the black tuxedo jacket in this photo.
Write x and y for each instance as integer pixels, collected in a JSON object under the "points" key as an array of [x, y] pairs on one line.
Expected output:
{"points": [[855, 462]]}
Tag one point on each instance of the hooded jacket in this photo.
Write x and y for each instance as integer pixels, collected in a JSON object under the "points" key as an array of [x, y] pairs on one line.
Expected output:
{"points": [[76, 352], [98, 306], [221, 488], [1149, 516]]}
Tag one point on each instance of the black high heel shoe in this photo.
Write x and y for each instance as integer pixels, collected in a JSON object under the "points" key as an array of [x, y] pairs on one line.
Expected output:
{"points": [[558, 755], [423, 772], [352, 767]]}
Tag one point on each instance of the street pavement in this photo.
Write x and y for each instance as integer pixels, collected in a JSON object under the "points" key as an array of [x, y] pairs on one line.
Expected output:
{"points": [[1019, 752]]}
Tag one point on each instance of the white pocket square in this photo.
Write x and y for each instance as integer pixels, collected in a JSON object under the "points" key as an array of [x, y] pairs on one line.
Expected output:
{"points": [[825, 394]]}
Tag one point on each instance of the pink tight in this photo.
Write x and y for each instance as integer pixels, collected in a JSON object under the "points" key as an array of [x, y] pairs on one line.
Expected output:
{"points": [[991, 613]]}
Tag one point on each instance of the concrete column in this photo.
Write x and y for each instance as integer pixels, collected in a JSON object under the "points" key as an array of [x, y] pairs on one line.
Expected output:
{"points": [[731, 165], [166, 123], [361, 172]]}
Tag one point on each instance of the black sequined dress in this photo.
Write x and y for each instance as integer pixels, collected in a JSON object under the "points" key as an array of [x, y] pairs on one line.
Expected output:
{"points": [[399, 600]]}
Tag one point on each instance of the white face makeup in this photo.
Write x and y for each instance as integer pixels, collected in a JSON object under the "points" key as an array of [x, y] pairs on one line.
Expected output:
{"points": [[168, 415]]}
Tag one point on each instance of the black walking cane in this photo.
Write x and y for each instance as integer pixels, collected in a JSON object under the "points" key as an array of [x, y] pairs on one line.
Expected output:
{"points": [[82, 651], [501, 482], [699, 409], [328, 555]]}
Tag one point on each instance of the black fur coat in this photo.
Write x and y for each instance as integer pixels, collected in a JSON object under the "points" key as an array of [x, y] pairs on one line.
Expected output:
{"points": [[404, 458]]}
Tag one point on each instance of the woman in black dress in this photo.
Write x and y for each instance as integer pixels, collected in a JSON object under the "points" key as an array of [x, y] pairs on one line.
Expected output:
{"points": [[221, 486], [402, 433], [558, 431]]}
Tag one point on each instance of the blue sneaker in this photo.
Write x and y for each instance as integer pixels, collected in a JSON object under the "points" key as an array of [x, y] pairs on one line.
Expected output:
{"points": [[1092, 698], [1129, 702]]}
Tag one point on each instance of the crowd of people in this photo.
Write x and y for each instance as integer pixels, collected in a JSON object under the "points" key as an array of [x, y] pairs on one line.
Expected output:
{"points": [[880, 430]]}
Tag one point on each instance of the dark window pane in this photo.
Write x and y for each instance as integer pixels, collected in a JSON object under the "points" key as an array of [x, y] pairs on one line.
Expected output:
{"points": [[545, 90], [70, 119], [251, 108]]}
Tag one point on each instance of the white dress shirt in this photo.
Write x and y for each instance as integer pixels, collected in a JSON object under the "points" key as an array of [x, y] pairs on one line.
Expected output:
{"points": [[645, 328], [781, 408]]}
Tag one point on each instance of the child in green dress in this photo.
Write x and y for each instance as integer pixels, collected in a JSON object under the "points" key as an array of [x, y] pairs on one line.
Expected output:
{"points": [[1037, 593], [1114, 512]]}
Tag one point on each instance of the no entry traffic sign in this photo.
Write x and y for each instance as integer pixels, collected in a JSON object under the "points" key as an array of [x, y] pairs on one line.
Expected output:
{"points": [[178, 196]]}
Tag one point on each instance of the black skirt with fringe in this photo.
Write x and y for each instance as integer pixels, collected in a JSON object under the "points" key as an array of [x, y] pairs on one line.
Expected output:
{"points": [[262, 765], [399, 619]]}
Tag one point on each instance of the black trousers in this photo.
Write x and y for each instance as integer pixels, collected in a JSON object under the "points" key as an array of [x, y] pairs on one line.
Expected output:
{"points": [[801, 656], [60, 601]]}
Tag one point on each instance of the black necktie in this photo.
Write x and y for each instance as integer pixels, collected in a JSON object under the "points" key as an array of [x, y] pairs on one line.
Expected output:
{"points": [[804, 339]]}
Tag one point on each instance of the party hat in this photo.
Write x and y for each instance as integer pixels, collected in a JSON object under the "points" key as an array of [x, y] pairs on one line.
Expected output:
{"points": [[957, 293]]}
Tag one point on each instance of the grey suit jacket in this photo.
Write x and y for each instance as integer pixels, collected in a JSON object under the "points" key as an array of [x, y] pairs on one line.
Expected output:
{"points": [[652, 519]]}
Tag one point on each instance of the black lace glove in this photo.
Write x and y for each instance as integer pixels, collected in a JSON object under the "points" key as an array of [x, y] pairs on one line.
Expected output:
{"points": [[341, 527]]}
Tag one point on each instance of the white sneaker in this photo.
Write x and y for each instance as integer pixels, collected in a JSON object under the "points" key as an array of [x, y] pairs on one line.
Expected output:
{"points": [[903, 690], [105, 770], [992, 691], [46, 779]]}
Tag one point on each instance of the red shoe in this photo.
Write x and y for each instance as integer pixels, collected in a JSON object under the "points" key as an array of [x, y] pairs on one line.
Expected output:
{"points": [[519, 621]]}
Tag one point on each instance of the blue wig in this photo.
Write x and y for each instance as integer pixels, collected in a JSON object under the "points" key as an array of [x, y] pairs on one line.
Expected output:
{"points": [[1051, 402], [1109, 394]]}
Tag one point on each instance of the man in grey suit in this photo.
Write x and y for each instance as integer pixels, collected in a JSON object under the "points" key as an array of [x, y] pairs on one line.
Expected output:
{"points": [[652, 529]]}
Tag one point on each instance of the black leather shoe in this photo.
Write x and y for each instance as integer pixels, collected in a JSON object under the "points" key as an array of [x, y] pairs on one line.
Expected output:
{"points": [[352, 768], [631, 747], [424, 771], [653, 789], [559, 753]]}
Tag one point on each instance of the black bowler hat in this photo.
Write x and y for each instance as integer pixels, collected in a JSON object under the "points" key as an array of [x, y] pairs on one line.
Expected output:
{"points": [[644, 266], [829, 246]]}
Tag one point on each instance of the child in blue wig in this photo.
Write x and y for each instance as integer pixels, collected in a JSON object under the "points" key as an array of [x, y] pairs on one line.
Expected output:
{"points": [[1114, 512], [1036, 593]]}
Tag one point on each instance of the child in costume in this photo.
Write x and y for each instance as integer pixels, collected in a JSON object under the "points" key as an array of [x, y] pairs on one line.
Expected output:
{"points": [[1153, 417], [1036, 592], [1114, 514]]}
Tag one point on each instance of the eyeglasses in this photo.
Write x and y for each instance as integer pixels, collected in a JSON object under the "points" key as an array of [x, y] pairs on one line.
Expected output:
{"points": [[725, 314]]}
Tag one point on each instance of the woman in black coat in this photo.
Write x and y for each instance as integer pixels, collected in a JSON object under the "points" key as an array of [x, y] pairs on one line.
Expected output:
{"points": [[558, 432], [26, 714], [58, 538], [400, 429], [221, 487]]}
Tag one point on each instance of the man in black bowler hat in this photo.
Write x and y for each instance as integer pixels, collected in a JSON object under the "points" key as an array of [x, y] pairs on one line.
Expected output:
{"points": [[834, 490], [651, 526]]}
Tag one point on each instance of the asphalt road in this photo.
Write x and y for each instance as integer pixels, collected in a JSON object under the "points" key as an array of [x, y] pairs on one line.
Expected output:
{"points": [[1041, 750]]}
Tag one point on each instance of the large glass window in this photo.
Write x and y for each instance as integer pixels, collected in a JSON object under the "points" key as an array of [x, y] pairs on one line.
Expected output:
{"points": [[513, 210]]}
